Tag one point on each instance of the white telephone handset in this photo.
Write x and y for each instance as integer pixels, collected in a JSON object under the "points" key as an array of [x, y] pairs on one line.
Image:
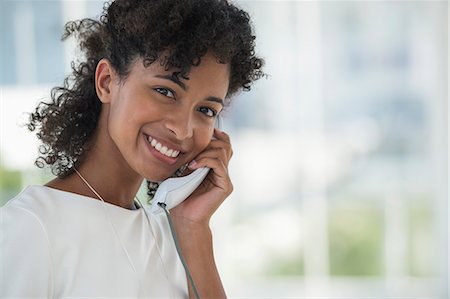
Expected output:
{"points": [[173, 191]]}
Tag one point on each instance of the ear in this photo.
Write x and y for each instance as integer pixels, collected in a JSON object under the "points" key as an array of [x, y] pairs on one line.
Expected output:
{"points": [[104, 80]]}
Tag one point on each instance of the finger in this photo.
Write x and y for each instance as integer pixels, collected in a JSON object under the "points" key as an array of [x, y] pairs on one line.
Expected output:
{"points": [[219, 176], [215, 164], [219, 144], [221, 135], [219, 153]]}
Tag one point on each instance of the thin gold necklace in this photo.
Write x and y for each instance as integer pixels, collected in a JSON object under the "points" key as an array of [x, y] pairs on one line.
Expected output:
{"points": [[117, 235]]}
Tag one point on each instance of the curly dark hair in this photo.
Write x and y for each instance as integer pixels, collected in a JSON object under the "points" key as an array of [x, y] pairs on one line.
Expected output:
{"points": [[130, 29]]}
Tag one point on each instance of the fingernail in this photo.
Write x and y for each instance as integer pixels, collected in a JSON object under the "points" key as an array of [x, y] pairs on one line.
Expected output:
{"points": [[192, 164]]}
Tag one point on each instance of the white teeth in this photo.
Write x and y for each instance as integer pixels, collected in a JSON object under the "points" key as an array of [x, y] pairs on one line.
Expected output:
{"points": [[163, 149]]}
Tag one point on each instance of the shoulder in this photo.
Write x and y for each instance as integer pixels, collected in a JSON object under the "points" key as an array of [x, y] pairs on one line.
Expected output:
{"points": [[31, 197], [36, 213], [21, 217], [25, 207], [25, 247], [50, 205], [31, 207]]}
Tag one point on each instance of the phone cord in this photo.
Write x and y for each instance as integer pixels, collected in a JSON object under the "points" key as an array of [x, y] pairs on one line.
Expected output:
{"points": [[177, 245]]}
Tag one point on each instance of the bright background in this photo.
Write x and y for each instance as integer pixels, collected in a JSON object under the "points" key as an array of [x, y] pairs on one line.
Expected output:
{"points": [[340, 162]]}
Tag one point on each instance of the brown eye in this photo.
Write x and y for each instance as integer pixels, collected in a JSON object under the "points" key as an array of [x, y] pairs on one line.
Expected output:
{"points": [[165, 92], [208, 111]]}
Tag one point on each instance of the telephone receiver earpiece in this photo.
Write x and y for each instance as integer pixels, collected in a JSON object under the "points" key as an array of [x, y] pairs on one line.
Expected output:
{"points": [[174, 191]]}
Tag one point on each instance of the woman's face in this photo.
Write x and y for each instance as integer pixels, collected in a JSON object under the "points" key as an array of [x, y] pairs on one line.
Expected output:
{"points": [[151, 110]]}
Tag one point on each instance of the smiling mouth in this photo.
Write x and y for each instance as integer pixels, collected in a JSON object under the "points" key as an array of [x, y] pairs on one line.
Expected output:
{"points": [[162, 148], [159, 154]]}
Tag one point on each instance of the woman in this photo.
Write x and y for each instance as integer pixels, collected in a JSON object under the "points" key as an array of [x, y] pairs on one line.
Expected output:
{"points": [[141, 104]]}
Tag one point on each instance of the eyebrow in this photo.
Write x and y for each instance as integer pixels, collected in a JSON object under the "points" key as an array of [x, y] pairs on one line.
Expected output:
{"points": [[174, 79], [215, 99], [177, 81]]}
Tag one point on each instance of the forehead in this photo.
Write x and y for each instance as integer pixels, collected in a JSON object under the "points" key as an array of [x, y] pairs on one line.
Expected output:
{"points": [[209, 74]]}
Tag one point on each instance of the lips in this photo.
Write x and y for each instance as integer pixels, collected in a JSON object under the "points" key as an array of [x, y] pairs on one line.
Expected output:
{"points": [[162, 148]]}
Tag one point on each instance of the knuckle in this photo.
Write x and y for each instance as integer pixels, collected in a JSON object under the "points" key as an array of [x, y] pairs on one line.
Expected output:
{"points": [[230, 187], [226, 137], [224, 151]]}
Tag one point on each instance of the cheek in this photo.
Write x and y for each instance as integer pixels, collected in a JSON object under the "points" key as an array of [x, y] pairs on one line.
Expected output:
{"points": [[124, 115], [121, 125], [204, 140]]}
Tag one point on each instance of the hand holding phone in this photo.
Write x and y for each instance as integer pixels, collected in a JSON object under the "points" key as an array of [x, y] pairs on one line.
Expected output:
{"points": [[173, 191]]}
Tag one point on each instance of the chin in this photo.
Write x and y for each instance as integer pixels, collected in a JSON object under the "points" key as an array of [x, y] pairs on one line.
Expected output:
{"points": [[155, 177]]}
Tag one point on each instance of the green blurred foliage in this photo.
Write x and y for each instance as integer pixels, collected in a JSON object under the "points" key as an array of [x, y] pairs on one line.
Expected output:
{"points": [[421, 241], [10, 184], [286, 265], [356, 241]]}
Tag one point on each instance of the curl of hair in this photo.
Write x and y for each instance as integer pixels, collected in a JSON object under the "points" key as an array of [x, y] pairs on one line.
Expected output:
{"points": [[185, 30]]}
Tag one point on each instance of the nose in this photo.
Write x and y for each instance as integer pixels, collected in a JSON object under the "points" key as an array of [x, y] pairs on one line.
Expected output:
{"points": [[180, 123]]}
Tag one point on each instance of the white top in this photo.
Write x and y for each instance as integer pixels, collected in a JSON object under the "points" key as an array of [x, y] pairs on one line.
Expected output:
{"points": [[57, 244]]}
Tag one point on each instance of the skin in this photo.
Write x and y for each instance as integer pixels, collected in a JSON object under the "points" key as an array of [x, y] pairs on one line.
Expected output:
{"points": [[143, 102]]}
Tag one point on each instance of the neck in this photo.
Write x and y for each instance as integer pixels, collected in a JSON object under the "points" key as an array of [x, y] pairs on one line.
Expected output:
{"points": [[134, 207], [105, 169], [109, 174], [106, 186]]}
